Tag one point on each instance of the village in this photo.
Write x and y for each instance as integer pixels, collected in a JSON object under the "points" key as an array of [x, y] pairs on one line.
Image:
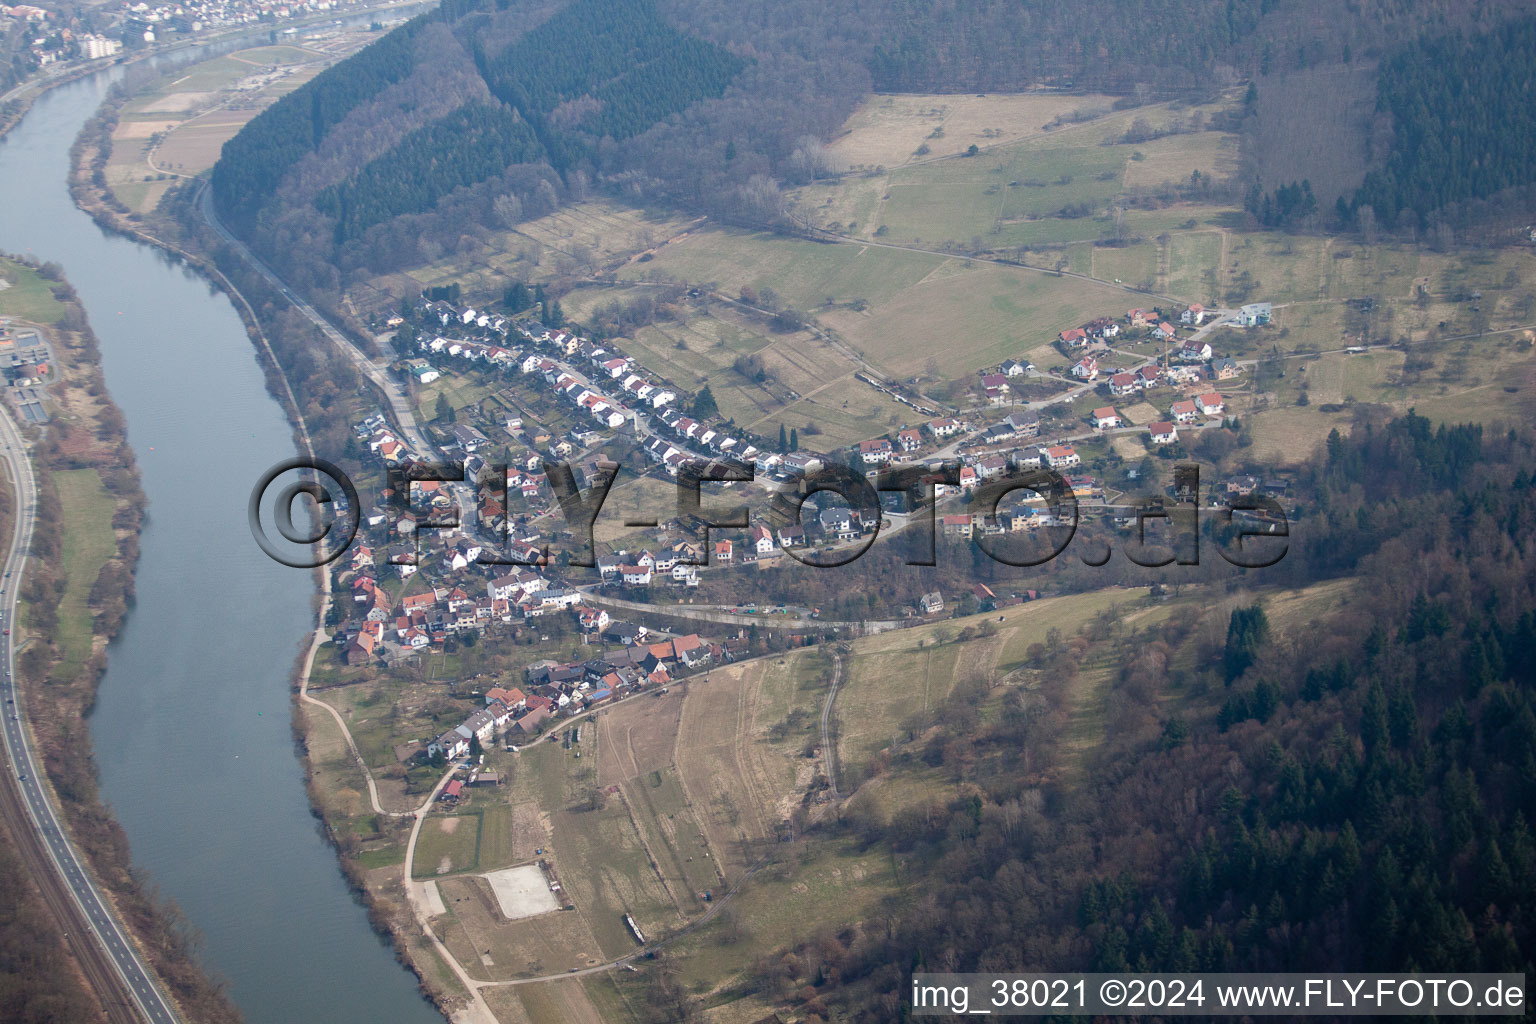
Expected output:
{"points": [[57, 40], [451, 561]]}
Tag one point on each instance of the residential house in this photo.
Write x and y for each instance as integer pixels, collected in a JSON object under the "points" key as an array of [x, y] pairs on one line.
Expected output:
{"points": [[635, 575], [1086, 369], [449, 745], [1225, 368], [876, 452], [1105, 418], [1194, 352], [792, 537], [838, 523], [1255, 314], [931, 603], [1211, 404], [956, 525], [359, 650], [1062, 456], [1184, 412], [943, 427], [1164, 432], [1193, 315], [1122, 384]]}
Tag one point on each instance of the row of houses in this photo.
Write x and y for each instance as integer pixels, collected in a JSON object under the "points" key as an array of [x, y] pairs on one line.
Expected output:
{"points": [[556, 688]]}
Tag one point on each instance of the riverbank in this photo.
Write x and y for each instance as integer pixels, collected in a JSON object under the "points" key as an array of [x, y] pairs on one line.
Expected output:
{"points": [[293, 357], [76, 593]]}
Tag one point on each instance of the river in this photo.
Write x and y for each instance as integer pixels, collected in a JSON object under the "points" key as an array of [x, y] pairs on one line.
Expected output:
{"points": [[191, 729]]}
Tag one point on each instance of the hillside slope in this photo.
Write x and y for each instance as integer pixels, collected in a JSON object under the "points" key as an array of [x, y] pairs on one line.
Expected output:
{"points": [[487, 113]]}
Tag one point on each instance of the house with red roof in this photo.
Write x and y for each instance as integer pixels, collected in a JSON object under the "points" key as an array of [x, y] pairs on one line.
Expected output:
{"points": [[1062, 455], [1105, 418]]}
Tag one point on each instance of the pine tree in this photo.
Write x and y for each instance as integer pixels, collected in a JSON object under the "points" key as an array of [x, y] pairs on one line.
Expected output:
{"points": [[783, 440], [704, 407], [794, 439]]}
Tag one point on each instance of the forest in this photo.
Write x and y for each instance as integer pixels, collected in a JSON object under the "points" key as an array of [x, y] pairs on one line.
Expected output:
{"points": [[254, 162], [605, 70], [1463, 111], [1354, 795], [469, 145]]}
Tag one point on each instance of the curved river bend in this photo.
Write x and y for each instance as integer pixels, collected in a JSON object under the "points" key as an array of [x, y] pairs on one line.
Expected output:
{"points": [[192, 729]]}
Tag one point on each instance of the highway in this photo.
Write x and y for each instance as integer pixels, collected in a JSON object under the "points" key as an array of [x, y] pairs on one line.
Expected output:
{"points": [[129, 991]]}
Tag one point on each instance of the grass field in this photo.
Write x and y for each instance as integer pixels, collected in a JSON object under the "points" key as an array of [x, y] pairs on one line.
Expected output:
{"points": [[980, 313], [447, 844], [28, 295], [1132, 264], [1489, 380], [1022, 187], [896, 679], [1193, 266], [88, 544], [887, 130], [975, 314], [178, 128], [572, 241]]}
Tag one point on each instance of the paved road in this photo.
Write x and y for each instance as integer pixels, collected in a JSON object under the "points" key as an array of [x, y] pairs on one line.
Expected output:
{"points": [[128, 989], [373, 370], [376, 370]]}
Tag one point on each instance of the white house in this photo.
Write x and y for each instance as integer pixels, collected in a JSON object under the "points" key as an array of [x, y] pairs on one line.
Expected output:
{"points": [[1164, 432], [943, 427], [1062, 456], [1211, 404]]}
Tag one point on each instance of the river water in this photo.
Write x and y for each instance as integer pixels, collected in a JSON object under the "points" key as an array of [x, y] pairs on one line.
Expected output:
{"points": [[192, 730]]}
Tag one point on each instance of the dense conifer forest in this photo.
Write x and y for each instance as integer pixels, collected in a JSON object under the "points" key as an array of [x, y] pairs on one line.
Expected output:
{"points": [[469, 145], [1463, 112]]}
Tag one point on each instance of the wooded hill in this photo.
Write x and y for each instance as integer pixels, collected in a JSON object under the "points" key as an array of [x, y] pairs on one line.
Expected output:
{"points": [[376, 164], [1354, 791]]}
